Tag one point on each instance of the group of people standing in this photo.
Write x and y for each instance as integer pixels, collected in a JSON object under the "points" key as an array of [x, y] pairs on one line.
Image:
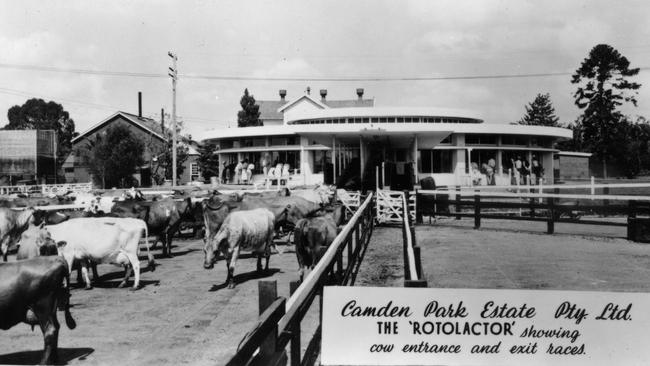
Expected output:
{"points": [[524, 172]]}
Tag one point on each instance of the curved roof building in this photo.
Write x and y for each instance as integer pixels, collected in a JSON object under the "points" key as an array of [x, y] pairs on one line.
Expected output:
{"points": [[313, 140]]}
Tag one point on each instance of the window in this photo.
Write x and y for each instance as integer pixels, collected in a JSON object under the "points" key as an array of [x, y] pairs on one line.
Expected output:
{"points": [[435, 161], [478, 139], [194, 171], [69, 170], [514, 140]]}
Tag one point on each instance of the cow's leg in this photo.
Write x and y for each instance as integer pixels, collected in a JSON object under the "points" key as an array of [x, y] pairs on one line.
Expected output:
{"points": [[135, 263], [170, 234], [231, 268], [84, 272], [93, 266], [127, 274], [45, 311], [4, 246]]}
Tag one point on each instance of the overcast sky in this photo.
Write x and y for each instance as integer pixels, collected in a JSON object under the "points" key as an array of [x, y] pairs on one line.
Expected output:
{"points": [[310, 39]]}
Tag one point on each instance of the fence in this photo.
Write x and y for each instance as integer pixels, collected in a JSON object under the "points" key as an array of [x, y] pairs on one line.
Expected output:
{"points": [[543, 207], [56, 189], [280, 321], [413, 275]]}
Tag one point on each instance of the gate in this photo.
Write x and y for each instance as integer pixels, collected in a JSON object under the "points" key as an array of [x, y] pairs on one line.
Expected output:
{"points": [[390, 206]]}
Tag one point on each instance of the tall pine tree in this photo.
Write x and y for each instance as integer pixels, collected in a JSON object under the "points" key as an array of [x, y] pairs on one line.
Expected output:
{"points": [[250, 114], [540, 112], [603, 87]]}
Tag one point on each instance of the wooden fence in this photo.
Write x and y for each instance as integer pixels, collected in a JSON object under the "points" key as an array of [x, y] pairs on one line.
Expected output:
{"points": [[280, 320], [544, 207], [413, 275]]}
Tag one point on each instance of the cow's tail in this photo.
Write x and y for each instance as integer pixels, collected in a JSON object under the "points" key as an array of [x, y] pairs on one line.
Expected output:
{"points": [[152, 262], [64, 299]]}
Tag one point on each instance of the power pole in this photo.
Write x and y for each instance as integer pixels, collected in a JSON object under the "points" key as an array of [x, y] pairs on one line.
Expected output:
{"points": [[173, 73]]}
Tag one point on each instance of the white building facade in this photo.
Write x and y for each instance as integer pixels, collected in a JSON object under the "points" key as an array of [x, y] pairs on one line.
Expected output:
{"points": [[334, 141]]}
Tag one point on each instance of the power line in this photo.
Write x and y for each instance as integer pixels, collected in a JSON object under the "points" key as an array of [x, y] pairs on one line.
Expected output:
{"points": [[306, 79]]}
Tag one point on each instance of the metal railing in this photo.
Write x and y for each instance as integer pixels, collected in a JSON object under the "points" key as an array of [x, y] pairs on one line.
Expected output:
{"points": [[413, 275], [280, 323]]}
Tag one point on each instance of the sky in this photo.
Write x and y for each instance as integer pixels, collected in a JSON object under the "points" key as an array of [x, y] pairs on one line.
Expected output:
{"points": [[48, 47]]}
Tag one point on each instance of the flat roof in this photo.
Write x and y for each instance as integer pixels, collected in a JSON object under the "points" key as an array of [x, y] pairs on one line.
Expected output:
{"points": [[389, 129], [574, 153]]}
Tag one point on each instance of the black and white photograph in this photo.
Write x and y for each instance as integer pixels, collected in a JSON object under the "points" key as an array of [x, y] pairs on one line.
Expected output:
{"points": [[324, 182]]}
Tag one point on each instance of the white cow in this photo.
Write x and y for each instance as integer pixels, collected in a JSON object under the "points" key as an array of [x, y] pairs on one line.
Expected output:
{"points": [[250, 230], [104, 240]]}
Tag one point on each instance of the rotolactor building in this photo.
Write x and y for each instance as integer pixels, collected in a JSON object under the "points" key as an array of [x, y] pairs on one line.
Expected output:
{"points": [[319, 140]]}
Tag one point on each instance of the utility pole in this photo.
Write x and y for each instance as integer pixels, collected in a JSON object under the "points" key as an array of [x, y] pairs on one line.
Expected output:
{"points": [[173, 73]]}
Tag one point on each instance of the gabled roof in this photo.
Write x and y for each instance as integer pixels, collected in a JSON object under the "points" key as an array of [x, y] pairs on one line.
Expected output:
{"points": [[305, 96], [147, 124], [269, 109]]}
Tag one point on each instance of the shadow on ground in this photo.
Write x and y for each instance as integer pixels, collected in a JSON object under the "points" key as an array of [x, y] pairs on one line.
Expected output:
{"points": [[33, 357]]}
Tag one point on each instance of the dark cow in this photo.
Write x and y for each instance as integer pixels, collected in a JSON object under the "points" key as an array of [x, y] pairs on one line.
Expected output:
{"points": [[242, 230], [12, 225], [30, 292], [165, 217], [311, 238]]}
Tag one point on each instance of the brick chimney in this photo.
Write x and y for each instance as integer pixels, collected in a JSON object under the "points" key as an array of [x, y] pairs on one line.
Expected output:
{"points": [[140, 104], [283, 93], [323, 94], [360, 93]]}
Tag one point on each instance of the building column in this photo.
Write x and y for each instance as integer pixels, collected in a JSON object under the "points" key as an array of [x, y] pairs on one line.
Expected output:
{"points": [[334, 159], [362, 157]]}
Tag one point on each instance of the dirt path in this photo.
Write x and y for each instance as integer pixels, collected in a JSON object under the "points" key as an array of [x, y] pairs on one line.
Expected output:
{"points": [[183, 315]]}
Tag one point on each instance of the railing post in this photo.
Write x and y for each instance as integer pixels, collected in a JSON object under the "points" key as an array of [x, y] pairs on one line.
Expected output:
{"points": [[631, 215], [418, 210], [532, 207], [457, 202], [267, 293], [606, 201], [550, 224], [477, 211], [295, 331]]}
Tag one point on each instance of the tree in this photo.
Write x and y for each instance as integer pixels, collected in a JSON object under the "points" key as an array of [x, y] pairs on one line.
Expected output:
{"points": [[36, 114], [540, 112], [208, 161], [114, 157], [162, 165], [603, 87], [250, 114]]}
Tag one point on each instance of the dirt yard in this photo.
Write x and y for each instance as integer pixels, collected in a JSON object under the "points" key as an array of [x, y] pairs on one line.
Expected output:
{"points": [[182, 315], [508, 254]]}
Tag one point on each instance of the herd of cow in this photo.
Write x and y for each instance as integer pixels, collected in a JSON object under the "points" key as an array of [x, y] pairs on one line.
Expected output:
{"points": [[109, 230]]}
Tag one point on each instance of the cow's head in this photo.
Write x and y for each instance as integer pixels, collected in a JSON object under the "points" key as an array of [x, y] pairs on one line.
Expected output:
{"points": [[210, 255]]}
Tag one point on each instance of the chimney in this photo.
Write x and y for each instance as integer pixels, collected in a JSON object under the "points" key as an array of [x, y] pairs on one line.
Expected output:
{"points": [[140, 104], [308, 90], [360, 93], [283, 93], [162, 120], [323, 94]]}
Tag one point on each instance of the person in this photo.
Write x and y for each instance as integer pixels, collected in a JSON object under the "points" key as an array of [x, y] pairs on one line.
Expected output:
{"points": [[238, 171], [516, 171], [249, 172], [537, 171], [525, 172], [225, 173]]}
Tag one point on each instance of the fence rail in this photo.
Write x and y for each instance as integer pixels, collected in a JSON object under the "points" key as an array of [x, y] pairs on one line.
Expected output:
{"points": [[280, 323], [543, 207], [413, 274]]}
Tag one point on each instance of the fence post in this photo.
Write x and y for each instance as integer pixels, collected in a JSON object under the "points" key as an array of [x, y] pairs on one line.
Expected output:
{"points": [[418, 210], [457, 202], [631, 215], [550, 224], [267, 293], [606, 202], [477, 211], [295, 331], [532, 207]]}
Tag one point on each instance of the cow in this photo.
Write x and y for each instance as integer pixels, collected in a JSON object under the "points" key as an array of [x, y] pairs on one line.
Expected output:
{"points": [[103, 241], [311, 237], [250, 230], [12, 225], [30, 292]]}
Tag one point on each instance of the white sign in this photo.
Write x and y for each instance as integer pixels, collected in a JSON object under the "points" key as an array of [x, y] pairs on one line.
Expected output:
{"points": [[424, 326]]}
